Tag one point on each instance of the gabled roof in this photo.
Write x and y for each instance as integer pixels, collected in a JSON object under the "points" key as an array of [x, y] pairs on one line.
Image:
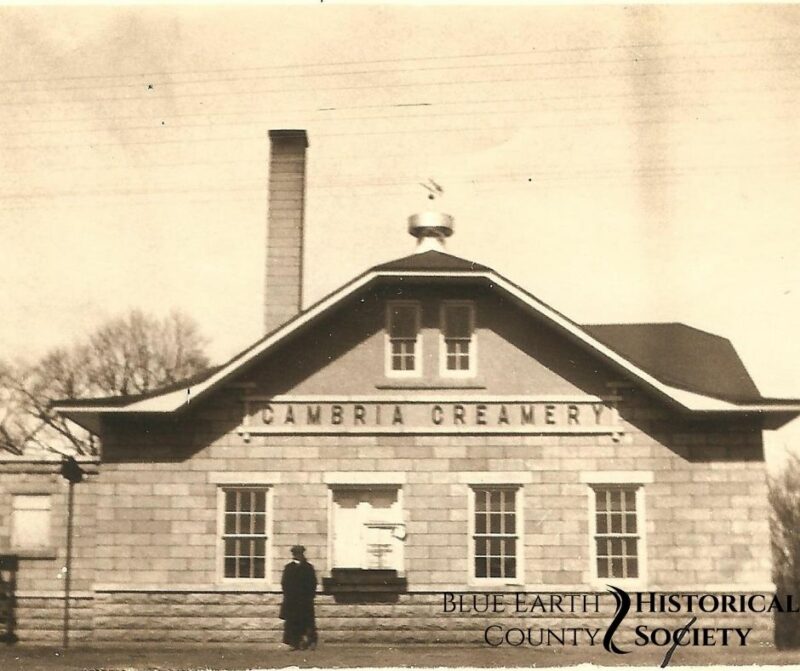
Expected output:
{"points": [[432, 260], [671, 367], [127, 399], [682, 356]]}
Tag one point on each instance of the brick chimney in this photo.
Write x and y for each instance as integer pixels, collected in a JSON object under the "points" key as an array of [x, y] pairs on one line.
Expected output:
{"points": [[287, 181]]}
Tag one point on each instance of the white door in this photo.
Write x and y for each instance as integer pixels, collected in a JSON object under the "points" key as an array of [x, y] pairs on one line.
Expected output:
{"points": [[367, 529], [347, 530]]}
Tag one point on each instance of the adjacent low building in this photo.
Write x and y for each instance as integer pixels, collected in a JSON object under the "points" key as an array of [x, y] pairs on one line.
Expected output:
{"points": [[428, 428]]}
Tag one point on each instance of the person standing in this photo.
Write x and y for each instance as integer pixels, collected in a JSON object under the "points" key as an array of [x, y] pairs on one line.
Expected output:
{"points": [[299, 584]]}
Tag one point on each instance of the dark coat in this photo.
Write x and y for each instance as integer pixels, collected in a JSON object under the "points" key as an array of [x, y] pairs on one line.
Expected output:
{"points": [[299, 583]]}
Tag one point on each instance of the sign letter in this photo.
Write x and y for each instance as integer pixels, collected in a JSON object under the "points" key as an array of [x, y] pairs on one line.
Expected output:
{"points": [[573, 414], [358, 414], [502, 418], [526, 414], [313, 414]]}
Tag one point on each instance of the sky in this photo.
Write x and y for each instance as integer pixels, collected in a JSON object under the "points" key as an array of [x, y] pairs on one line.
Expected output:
{"points": [[624, 164]]}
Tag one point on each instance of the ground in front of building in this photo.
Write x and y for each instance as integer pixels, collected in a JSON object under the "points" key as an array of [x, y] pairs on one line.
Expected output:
{"points": [[262, 657]]}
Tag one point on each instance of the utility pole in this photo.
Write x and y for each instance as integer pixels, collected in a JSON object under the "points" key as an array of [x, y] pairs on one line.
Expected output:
{"points": [[72, 473]]}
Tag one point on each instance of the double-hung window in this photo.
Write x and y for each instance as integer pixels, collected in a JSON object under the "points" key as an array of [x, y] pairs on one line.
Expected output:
{"points": [[495, 533], [617, 531], [245, 530], [403, 348], [458, 341]]}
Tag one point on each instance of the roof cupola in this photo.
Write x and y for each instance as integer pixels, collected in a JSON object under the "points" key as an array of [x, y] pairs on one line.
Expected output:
{"points": [[431, 229]]}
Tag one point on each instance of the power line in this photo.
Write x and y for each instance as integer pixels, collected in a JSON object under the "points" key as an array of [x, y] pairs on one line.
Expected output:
{"points": [[71, 167], [363, 133], [427, 105], [347, 73], [523, 178], [50, 167], [388, 85], [259, 123], [651, 45], [410, 188], [426, 115], [282, 66]]}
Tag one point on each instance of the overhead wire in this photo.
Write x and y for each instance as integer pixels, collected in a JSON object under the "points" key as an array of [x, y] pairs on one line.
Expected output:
{"points": [[352, 156], [525, 179], [366, 133], [410, 188], [429, 103], [396, 117], [427, 114], [392, 132], [347, 73], [146, 96], [533, 50]]}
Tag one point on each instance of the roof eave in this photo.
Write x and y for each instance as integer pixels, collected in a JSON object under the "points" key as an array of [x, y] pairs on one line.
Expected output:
{"points": [[89, 419], [182, 398]]}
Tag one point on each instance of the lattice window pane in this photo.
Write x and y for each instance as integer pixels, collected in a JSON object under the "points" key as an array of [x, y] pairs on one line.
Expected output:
{"points": [[457, 354], [403, 354], [403, 328], [616, 539], [458, 332], [245, 533], [495, 528]]}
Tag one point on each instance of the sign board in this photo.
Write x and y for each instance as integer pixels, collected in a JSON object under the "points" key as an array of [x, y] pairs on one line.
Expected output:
{"points": [[307, 415]]}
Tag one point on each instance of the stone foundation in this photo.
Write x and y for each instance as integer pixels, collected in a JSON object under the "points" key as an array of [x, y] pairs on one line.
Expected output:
{"points": [[40, 619], [251, 617]]}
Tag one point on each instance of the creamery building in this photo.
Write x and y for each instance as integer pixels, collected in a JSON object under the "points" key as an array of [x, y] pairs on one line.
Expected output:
{"points": [[428, 431]]}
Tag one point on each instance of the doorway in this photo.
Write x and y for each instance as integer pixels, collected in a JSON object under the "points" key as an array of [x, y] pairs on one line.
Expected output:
{"points": [[367, 528]]}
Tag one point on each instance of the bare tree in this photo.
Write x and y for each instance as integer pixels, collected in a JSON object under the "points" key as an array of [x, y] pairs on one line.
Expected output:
{"points": [[14, 424], [127, 355], [784, 496]]}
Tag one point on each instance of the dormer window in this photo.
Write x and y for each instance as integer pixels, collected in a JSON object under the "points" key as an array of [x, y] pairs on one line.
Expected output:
{"points": [[458, 336], [403, 347]]}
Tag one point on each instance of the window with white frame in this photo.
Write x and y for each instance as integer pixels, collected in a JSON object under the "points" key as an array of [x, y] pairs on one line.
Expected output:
{"points": [[244, 537], [30, 521], [458, 327], [403, 356], [495, 533], [617, 531]]}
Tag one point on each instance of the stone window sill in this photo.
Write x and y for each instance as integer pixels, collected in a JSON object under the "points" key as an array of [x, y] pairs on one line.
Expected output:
{"points": [[32, 553], [433, 384]]}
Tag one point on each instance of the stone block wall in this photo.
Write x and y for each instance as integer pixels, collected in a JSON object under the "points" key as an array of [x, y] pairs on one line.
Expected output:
{"points": [[705, 509], [250, 617], [40, 619], [146, 531], [40, 575]]}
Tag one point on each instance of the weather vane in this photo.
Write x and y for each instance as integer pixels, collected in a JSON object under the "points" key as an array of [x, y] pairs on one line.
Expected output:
{"points": [[434, 190]]}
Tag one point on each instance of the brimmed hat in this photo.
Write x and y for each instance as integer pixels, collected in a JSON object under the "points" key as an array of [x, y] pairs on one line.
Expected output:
{"points": [[298, 550]]}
